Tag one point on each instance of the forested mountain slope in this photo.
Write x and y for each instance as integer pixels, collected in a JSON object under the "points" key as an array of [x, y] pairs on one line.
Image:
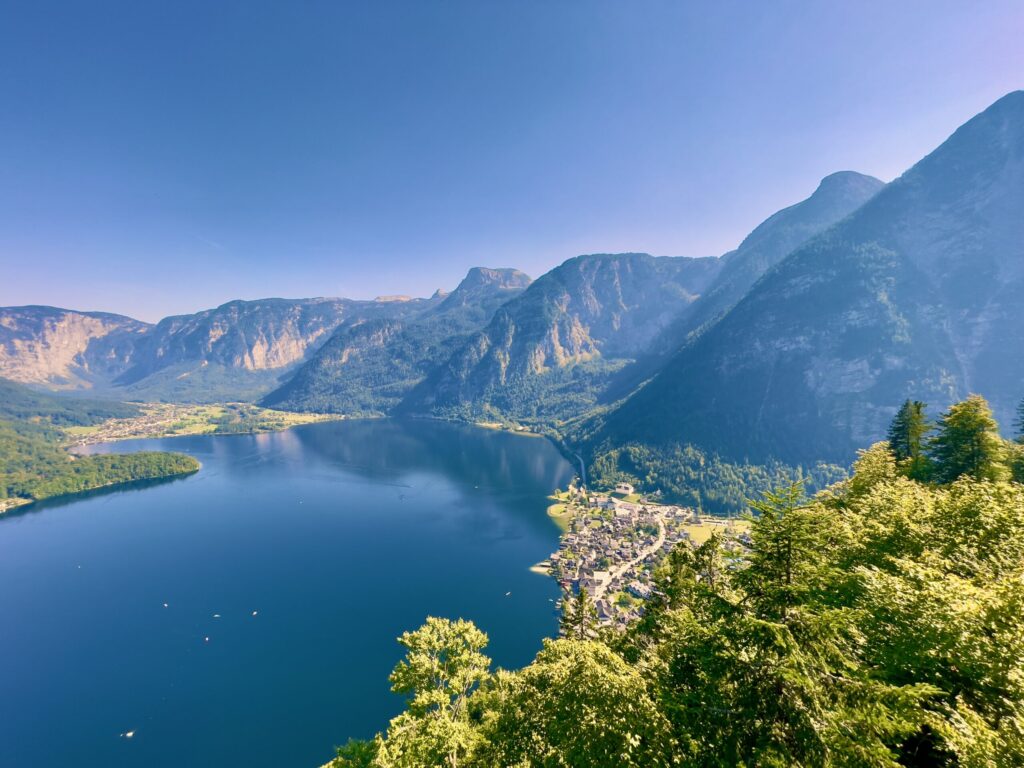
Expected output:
{"points": [[547, 354], [367, 367], [916, 294]]}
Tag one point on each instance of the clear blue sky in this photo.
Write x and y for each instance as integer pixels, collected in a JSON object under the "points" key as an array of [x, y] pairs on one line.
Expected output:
{"points": [[162, 157]]}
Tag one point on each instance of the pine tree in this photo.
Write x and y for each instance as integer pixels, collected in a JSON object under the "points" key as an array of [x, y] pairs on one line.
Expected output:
{"points": [[968, 443], [907, 439], [1019, 422], [579, 616]]}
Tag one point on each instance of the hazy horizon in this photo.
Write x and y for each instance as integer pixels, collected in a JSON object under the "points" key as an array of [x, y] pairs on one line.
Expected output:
{"points": [[164, 160]]}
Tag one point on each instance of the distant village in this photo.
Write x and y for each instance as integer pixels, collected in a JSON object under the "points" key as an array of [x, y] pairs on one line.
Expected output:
{"points": [[613, 543]]}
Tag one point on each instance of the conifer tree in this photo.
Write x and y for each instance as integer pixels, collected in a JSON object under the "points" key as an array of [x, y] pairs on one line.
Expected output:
{"points": [[907, 439], [1019, 422], [967, 442], [579, 616]]}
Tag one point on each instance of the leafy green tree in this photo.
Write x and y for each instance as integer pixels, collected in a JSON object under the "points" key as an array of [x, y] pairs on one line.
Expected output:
{"points": [[880, 623], [356, 753], [442, 665], [577, 704], [967, 442], [579, 616], [787, 551], [761, 667], [906, 436]]}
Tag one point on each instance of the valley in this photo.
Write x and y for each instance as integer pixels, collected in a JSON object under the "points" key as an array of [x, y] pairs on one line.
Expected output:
{"points": [[681, 392]]}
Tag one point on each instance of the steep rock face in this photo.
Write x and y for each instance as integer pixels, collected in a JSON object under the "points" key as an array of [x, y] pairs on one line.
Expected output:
{"points": [[251, 335], [598, 310], [241, 349], [65, 349], [368, 366], [916, 294]]}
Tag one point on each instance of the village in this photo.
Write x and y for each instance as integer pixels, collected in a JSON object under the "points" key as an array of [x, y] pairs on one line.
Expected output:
{"points": [[612, 544]]}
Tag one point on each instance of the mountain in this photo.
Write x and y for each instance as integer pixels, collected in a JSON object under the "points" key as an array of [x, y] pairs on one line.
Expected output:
{"points": [[18, 402], [837, 196], [238, 351], [367, 367], [915, 294], [66, 349], [547, 353]]}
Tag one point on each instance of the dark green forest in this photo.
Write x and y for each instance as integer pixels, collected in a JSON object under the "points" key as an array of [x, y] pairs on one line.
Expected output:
{"points": [[34, 464], [19, 403]]}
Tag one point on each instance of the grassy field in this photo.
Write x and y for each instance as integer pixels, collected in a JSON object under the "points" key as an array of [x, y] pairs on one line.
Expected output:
{"points": [[169, 420], [559, 511], [702, 532]]}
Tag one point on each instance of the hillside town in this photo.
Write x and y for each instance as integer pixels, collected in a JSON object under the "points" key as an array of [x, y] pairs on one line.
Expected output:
{"points": [[612, 544]]}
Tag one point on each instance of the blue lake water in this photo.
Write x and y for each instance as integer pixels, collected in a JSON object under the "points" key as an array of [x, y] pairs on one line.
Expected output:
{"points": [[339, 536]]}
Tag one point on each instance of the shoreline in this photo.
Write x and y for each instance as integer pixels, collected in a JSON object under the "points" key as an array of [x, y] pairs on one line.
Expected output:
{"points": [[21, 503], [162, 420]]}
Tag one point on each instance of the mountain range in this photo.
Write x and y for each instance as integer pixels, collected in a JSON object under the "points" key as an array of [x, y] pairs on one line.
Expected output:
{"points": [[799, 345], [916, 294]]}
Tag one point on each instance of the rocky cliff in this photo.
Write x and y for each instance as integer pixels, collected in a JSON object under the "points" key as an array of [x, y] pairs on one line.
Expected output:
{"points": [[66, 349], [367, 367]]}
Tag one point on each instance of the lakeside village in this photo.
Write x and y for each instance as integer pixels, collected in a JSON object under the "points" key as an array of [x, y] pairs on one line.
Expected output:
{"points": [[611, 545]]}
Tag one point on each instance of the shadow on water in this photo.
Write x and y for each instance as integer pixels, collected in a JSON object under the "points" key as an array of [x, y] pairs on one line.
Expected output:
{"points": [[71, 498], [379, 449]]}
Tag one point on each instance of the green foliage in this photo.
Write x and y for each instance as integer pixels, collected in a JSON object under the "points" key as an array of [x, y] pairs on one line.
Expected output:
{"points": [[443, 663], [541, 400], [579, 616], [1015, 459], [877, 623], [687, 475], [356, 753], [34, 466], [577, 704], [967, 442], [907, 439], [19, 403]]}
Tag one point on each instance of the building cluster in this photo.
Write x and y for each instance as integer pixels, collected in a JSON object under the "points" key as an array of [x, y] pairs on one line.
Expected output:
{"points": [[613, 545]]}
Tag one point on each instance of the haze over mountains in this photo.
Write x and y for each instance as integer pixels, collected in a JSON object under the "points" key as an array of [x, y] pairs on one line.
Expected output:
{"points": [[917, 294], [368, 366], [799, 345]]}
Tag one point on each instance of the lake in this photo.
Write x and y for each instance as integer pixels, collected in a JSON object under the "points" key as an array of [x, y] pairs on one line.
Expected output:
{"points": [[316, 547]]}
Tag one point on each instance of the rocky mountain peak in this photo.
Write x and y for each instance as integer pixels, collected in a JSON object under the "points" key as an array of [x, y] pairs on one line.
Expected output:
{"points": [[480, 282]]}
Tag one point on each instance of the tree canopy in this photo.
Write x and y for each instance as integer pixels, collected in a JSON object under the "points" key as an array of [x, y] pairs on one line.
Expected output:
{"points": [[878, 623], [967, 442]]}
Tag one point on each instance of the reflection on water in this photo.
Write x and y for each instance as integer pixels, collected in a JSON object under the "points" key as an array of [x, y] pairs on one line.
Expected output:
{"points": [[340, 535]]}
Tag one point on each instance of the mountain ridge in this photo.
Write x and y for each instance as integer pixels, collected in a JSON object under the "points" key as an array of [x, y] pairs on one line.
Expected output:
{"points": [[912, 295]]}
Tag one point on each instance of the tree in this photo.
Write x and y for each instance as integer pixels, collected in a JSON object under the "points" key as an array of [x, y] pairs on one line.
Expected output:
{"points": [[1019, 422], [577, 704], [442, 665], [787, 551], [356, 753], [907, 439], [579, 616], [967, 442], [1016, 460]]}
